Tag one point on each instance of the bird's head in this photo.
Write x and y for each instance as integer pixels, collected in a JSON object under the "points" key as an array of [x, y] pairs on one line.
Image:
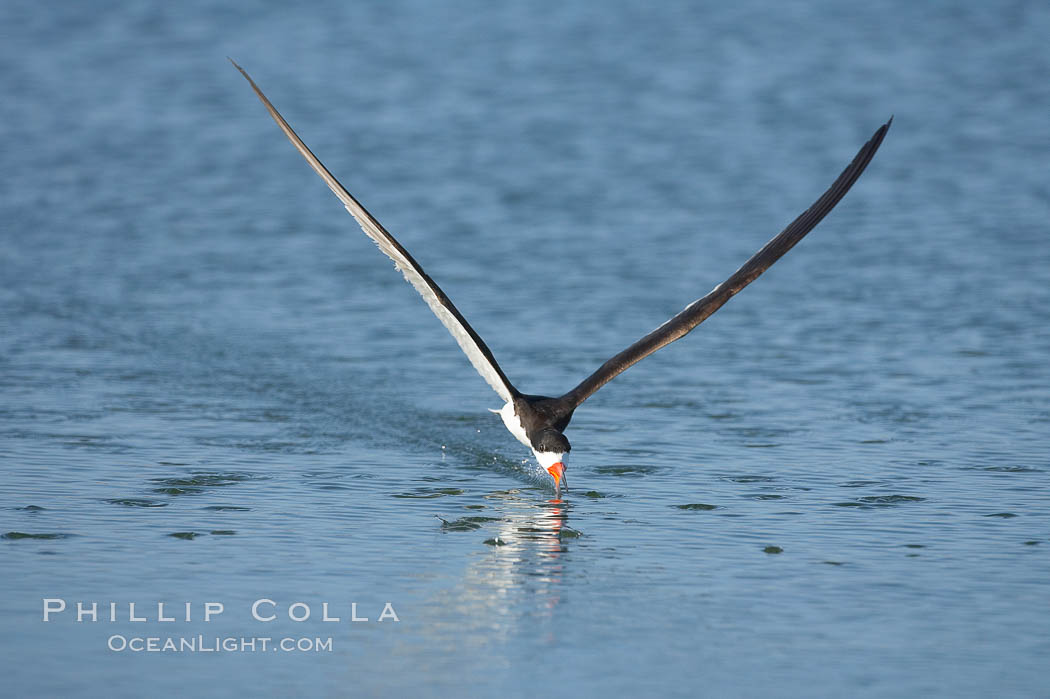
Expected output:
{"points": [[551, 449]]}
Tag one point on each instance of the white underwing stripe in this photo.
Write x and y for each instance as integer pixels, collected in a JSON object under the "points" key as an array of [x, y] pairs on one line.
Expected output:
{"points": [[458, 332], [468, 342]]}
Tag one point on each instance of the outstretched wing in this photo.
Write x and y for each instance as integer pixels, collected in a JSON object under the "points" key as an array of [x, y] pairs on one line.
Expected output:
{"points": [[469, 341], [698, 311]]}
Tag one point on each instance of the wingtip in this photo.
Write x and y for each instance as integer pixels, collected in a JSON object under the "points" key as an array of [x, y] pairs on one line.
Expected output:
{"points": [[251, 82], [242, 70], [876, 138]]}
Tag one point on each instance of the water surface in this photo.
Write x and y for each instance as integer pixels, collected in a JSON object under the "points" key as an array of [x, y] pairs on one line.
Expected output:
{"points": [[215, 389]]}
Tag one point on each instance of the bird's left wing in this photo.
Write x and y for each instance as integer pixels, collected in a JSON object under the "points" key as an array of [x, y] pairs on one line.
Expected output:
{"points": [[698, 311], [469, 341]]}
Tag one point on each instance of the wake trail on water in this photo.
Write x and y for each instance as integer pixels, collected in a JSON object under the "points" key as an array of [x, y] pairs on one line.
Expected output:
{"points": [[302, 402]]}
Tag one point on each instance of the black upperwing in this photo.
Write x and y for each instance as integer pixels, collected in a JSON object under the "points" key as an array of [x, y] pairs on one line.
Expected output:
{"points": [[698, 311], [469, 341]]}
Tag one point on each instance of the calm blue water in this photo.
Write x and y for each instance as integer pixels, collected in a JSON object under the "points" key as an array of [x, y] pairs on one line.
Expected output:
{"points": [[214, 389]]}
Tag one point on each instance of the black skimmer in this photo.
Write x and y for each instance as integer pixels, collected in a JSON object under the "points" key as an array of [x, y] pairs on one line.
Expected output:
{"points": [[539, 422]]}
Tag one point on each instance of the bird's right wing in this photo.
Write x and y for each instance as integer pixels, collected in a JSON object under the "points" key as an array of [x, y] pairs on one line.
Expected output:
{"points": [[469, 341], [698, 311]]}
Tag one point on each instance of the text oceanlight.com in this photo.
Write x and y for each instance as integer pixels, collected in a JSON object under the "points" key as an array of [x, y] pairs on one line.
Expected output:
{"points": [[216, 644]]}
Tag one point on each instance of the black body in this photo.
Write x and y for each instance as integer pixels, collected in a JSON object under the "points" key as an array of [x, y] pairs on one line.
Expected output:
{"points": [[544, 419]]}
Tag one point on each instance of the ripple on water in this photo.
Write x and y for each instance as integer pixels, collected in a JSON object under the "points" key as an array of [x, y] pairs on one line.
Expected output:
{"points": [[199, 482], [466, 524], [629, 470], [137, 502], [859, 484], [874, 501], [597, 494], [208, 479], [427, 493], [749, 479], [889, 499], [174, 490]]}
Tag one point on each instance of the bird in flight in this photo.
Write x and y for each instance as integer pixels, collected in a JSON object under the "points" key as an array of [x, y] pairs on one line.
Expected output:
{"points": [[539, 422]]}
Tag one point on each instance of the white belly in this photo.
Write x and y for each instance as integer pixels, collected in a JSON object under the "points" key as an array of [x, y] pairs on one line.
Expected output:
{"points": [[513, 423]]}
